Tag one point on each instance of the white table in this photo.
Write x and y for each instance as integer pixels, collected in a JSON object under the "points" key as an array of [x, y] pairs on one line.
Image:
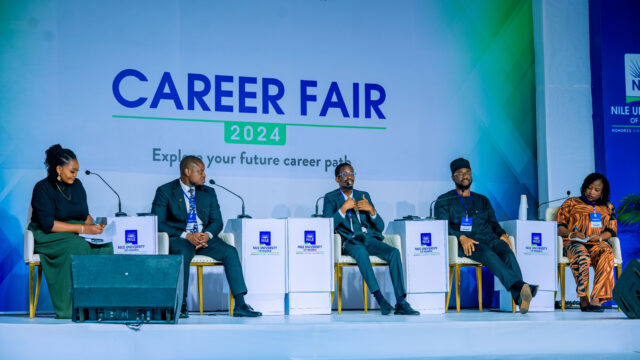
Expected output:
{"points": [[425, 262], [536, 253], [261, 244], [309, 265]]}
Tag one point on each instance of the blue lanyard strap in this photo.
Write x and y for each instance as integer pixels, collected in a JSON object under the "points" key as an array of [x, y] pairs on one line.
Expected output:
{"points": [[590, 203], [463, 204]]}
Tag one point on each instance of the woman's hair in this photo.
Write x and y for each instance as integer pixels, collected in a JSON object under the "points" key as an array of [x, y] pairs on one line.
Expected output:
{"points": [[590, 179], [57, 156]]}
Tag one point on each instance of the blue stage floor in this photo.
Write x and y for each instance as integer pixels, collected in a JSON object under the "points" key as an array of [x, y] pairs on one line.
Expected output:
{"points": [[352, 335]]}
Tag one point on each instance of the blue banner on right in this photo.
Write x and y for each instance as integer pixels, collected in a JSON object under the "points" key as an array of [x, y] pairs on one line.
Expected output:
{"points": [[615, 77]]}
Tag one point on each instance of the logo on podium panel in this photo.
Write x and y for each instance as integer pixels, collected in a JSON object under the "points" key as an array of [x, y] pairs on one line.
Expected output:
{"points": [[131, 237], [536, 247], [536, 239], [425, 239], [265, 238], [310, 237], [426, 246]]}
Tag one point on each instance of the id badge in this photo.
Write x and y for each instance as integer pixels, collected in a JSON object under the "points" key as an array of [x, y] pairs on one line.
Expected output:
{"points": [[192, 217], [596, 220], [466, 223]]}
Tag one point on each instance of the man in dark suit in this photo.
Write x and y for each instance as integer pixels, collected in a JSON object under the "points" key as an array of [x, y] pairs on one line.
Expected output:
{"points": [[189, 212], [360, 228]]}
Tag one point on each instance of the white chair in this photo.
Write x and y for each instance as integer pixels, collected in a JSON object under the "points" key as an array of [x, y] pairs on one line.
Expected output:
{"points": [[455, 263], [341, 260], [563, 261], [200, 261]]}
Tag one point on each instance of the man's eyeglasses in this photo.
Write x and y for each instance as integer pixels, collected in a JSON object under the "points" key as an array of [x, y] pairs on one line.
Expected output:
{"points": [[347, 174], [463, 174]]}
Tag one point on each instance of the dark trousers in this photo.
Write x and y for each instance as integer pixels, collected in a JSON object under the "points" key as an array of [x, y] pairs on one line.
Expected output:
{"points": [[218, 250], [361, 251], [497, 256]]}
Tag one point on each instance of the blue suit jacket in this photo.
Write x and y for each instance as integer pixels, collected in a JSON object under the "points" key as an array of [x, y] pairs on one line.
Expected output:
{"points": [[170, 208], [333, 201]]}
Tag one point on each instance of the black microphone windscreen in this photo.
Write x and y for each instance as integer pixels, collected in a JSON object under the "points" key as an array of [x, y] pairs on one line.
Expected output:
{"points": [[212, 182], [87, 172]]}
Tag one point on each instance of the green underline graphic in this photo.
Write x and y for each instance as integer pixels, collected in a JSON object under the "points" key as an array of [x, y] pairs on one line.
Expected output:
{"points": [[234, 121], [626, 126]]}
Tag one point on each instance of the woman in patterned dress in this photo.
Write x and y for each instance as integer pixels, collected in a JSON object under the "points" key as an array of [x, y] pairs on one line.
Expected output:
{"points": [[586, 223]]}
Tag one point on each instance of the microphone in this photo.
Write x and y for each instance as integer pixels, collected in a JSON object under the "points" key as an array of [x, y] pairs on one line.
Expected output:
{"points": [[119, 213], [550, 201], [241, 216], [435, 201], [316, 213]]}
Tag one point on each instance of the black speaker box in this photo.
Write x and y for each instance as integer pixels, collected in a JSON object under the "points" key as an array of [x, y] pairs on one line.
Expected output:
{"points": [[626, 293], [127, 288]]}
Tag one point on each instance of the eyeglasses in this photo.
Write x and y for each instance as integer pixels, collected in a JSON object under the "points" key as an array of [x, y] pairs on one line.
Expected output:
{"points": [[347, 174], [461, 175]]}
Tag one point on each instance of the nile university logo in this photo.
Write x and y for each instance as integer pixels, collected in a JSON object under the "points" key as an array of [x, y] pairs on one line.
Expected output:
{"points": [[632, 76]]}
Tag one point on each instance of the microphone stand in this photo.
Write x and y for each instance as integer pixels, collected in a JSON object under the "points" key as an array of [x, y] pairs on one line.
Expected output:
{"points": [[120, 213], [242, 215]]}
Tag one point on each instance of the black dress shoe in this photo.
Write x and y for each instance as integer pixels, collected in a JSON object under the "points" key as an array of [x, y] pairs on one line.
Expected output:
{"points": [[403, 308], [592, 308], [385, 307], [184, 314], [525, 298], [245, 310]]}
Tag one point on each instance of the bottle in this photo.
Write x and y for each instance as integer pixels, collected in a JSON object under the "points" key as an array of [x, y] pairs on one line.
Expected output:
{"points": [[522, 212]]}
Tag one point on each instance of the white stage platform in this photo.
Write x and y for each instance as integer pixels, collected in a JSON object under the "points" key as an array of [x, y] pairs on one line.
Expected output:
{"points": [[352, 335]]}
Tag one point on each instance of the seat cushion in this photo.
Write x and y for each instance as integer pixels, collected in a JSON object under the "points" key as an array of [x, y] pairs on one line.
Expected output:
{"points": [[204, 259], [466, 261], [344, 259]]}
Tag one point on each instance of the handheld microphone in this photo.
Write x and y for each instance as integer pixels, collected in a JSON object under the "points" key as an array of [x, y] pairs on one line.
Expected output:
{"points": [[241, 216], [316, 213], [119, 213], [435, 201], [550, 201]]}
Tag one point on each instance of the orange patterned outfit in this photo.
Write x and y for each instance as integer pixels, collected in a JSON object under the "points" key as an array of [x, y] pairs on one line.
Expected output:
{"points": [[575, 212]]}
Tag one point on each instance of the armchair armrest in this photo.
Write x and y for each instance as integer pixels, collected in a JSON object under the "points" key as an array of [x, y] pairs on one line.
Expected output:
{"points": [[228, 238], [615, 246], [453, 249], [394, 240], [337, 247], [163, 243]]}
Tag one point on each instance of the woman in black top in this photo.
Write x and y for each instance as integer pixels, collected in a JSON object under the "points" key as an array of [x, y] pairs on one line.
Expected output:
{"points": [[60, 213]]}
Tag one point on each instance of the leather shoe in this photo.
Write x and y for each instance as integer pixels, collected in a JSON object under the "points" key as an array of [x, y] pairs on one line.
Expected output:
{"points": [[245, 310], [403, 308], [592, 308], [385, 307], [525, 298]]}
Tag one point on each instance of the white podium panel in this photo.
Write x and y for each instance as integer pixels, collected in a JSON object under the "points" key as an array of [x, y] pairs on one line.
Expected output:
{"points": [[425, 262], [133, 235], [536, 253], [309, 265], [261, 244]]}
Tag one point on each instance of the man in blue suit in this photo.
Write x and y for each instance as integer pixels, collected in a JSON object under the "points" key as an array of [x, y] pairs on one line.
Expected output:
{"points": [[189, 212], [360, 228]]}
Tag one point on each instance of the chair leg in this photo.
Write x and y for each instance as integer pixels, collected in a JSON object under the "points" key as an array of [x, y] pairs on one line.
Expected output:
{"points": [[618, 270], [479, 284], [32, 310], [230, 303], [339, 287], [513, 306], [457, 270], [38, 281], [366, 298], [562, 283], [199, 267], [446, 304]]}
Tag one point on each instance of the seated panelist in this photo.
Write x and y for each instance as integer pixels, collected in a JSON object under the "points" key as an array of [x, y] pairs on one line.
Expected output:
{"points": [[189, 212], [60, 215], [586, 223], [360, 227]]}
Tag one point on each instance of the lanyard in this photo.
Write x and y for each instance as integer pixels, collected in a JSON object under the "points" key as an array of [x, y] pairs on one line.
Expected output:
{"points": [[590, 203], [189, 197], [463, 204]]}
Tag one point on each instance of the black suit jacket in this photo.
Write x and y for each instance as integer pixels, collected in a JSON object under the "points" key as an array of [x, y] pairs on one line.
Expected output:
{"points": [[170, 208], [333, 201]]}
